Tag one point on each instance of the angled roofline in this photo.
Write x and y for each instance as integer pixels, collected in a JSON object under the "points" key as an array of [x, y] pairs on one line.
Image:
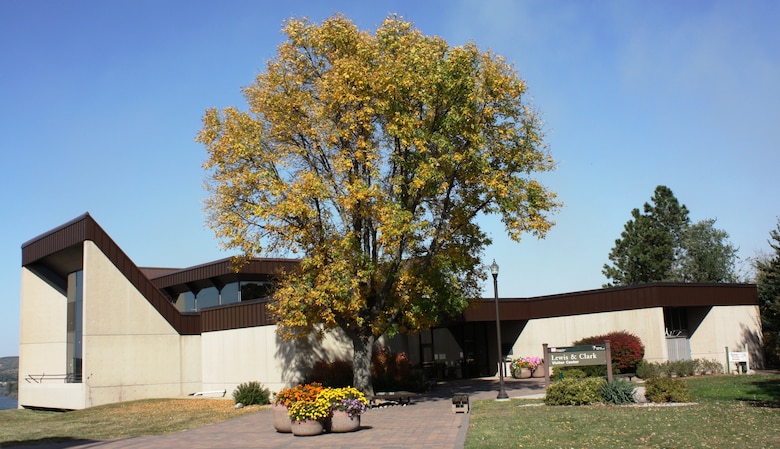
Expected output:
{"points": [[85, 228], [615, 299]]}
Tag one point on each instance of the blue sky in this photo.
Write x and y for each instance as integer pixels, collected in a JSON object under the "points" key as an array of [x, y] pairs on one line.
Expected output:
{"points": [[100, 102]]}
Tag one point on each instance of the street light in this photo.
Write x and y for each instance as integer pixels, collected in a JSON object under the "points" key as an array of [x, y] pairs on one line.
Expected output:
{"points": [[502, 396]]}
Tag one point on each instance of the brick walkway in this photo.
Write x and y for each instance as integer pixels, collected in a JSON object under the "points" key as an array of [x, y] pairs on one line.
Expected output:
{"points": [[426, 423]]}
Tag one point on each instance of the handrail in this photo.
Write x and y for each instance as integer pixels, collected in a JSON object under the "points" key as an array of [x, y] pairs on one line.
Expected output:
{"points": [[40, 378]]}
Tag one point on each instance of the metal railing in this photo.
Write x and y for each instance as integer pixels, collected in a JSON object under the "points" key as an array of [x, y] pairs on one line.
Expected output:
{"points": [[41, 378]]}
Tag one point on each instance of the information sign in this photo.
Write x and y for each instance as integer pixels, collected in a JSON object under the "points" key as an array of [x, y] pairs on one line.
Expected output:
{"points": [[737, 357], [578, 355]]}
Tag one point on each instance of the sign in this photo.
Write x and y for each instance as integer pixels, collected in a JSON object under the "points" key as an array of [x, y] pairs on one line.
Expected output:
{"points": [[737, 357], [578, 355]]}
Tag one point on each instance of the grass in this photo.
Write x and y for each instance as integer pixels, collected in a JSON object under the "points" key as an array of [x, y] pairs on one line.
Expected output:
{"points": [[123, 420], [730, 411]]}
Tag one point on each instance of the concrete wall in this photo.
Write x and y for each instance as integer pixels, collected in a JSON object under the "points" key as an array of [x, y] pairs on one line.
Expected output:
{"points": [[130, 350], [647, 324], [42, 346], [735, 327], [236, 356]]}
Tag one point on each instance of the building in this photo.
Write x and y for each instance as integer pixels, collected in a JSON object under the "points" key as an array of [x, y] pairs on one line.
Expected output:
{"points": [[97, 329]]}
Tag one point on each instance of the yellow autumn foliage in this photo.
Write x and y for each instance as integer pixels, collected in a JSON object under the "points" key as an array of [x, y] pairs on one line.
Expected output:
{"points": [[372, 156]]}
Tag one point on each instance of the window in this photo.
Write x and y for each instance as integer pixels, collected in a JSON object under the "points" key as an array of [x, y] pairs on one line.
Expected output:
{"points": [[676, 321], [229, 294], [75, 326], [208, 297], [255, 290]]}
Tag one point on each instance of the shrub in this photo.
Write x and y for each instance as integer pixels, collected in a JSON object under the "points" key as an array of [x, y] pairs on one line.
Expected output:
{"points": [[710, 367], [574, 392], [626, 348], [618, 391], [666, 389], [568, 372], [596, 370], [648, 370], [685, 368], [251, 393], [336, 374]]}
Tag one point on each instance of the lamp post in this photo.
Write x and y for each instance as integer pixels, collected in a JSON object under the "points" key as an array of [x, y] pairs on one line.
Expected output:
{"points": [[502, 396]]}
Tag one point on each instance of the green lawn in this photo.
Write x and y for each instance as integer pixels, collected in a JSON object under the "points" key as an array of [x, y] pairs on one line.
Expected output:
{"points": [[730, 411]]}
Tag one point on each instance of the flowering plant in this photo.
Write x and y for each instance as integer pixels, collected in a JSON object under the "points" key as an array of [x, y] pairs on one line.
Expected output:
{"points": [[299, 393], [348, 399], [534, 361], [303, 410], [526, 362], [353, 407], [520, 363]]}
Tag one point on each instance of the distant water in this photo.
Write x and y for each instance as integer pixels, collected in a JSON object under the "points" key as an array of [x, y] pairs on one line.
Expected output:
{"points": [[7, 403]]}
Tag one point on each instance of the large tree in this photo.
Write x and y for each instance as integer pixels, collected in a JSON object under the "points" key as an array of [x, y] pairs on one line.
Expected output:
{"points": [[768, 269], [707, 255], [660, 245], [373, 156], [649, 246]]}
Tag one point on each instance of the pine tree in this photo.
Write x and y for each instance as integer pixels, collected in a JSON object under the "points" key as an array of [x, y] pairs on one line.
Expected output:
{"points": [[649, 247]]}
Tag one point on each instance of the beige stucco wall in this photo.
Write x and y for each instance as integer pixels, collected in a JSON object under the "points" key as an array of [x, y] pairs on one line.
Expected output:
{"points": [[647, 324], [235, 356], [42, 345], [130, 350], [735, 327]]}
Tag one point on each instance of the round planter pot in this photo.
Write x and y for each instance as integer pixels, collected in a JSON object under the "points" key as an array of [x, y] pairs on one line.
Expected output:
{"points": [[538, 372], [281, 420], [522, 373], [341, 422], [306, 428]]}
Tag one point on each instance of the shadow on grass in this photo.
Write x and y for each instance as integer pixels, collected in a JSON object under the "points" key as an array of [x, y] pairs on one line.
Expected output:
{"points": [[49, 443], [769, 390]]}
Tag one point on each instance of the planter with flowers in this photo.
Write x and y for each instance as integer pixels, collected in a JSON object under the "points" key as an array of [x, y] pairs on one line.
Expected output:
{"points": [[537, 366], [346, 406], [289, 396], [521, 368], [307, 417]]}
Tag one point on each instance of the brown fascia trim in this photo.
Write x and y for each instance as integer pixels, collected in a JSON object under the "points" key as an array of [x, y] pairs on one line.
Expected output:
{"points": [[225, 267], [615, 299], [85, 228]]}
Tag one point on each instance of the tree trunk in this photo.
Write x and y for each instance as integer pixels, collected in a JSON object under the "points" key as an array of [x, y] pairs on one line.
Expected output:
{"points": [[361, 361]]}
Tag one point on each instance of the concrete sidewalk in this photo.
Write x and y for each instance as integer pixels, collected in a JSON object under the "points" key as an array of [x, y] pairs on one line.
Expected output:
{"points": [[428, 422]]}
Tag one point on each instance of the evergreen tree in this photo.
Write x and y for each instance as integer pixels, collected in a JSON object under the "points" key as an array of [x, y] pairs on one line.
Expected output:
{"points": [[769, 299], [649, 247]]}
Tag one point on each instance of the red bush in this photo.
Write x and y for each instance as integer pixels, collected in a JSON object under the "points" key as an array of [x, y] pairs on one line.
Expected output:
{"points": [[626, 348]]}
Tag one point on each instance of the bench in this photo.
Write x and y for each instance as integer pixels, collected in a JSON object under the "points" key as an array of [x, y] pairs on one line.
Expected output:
{"points": [[393, 397], [460, 403]]}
